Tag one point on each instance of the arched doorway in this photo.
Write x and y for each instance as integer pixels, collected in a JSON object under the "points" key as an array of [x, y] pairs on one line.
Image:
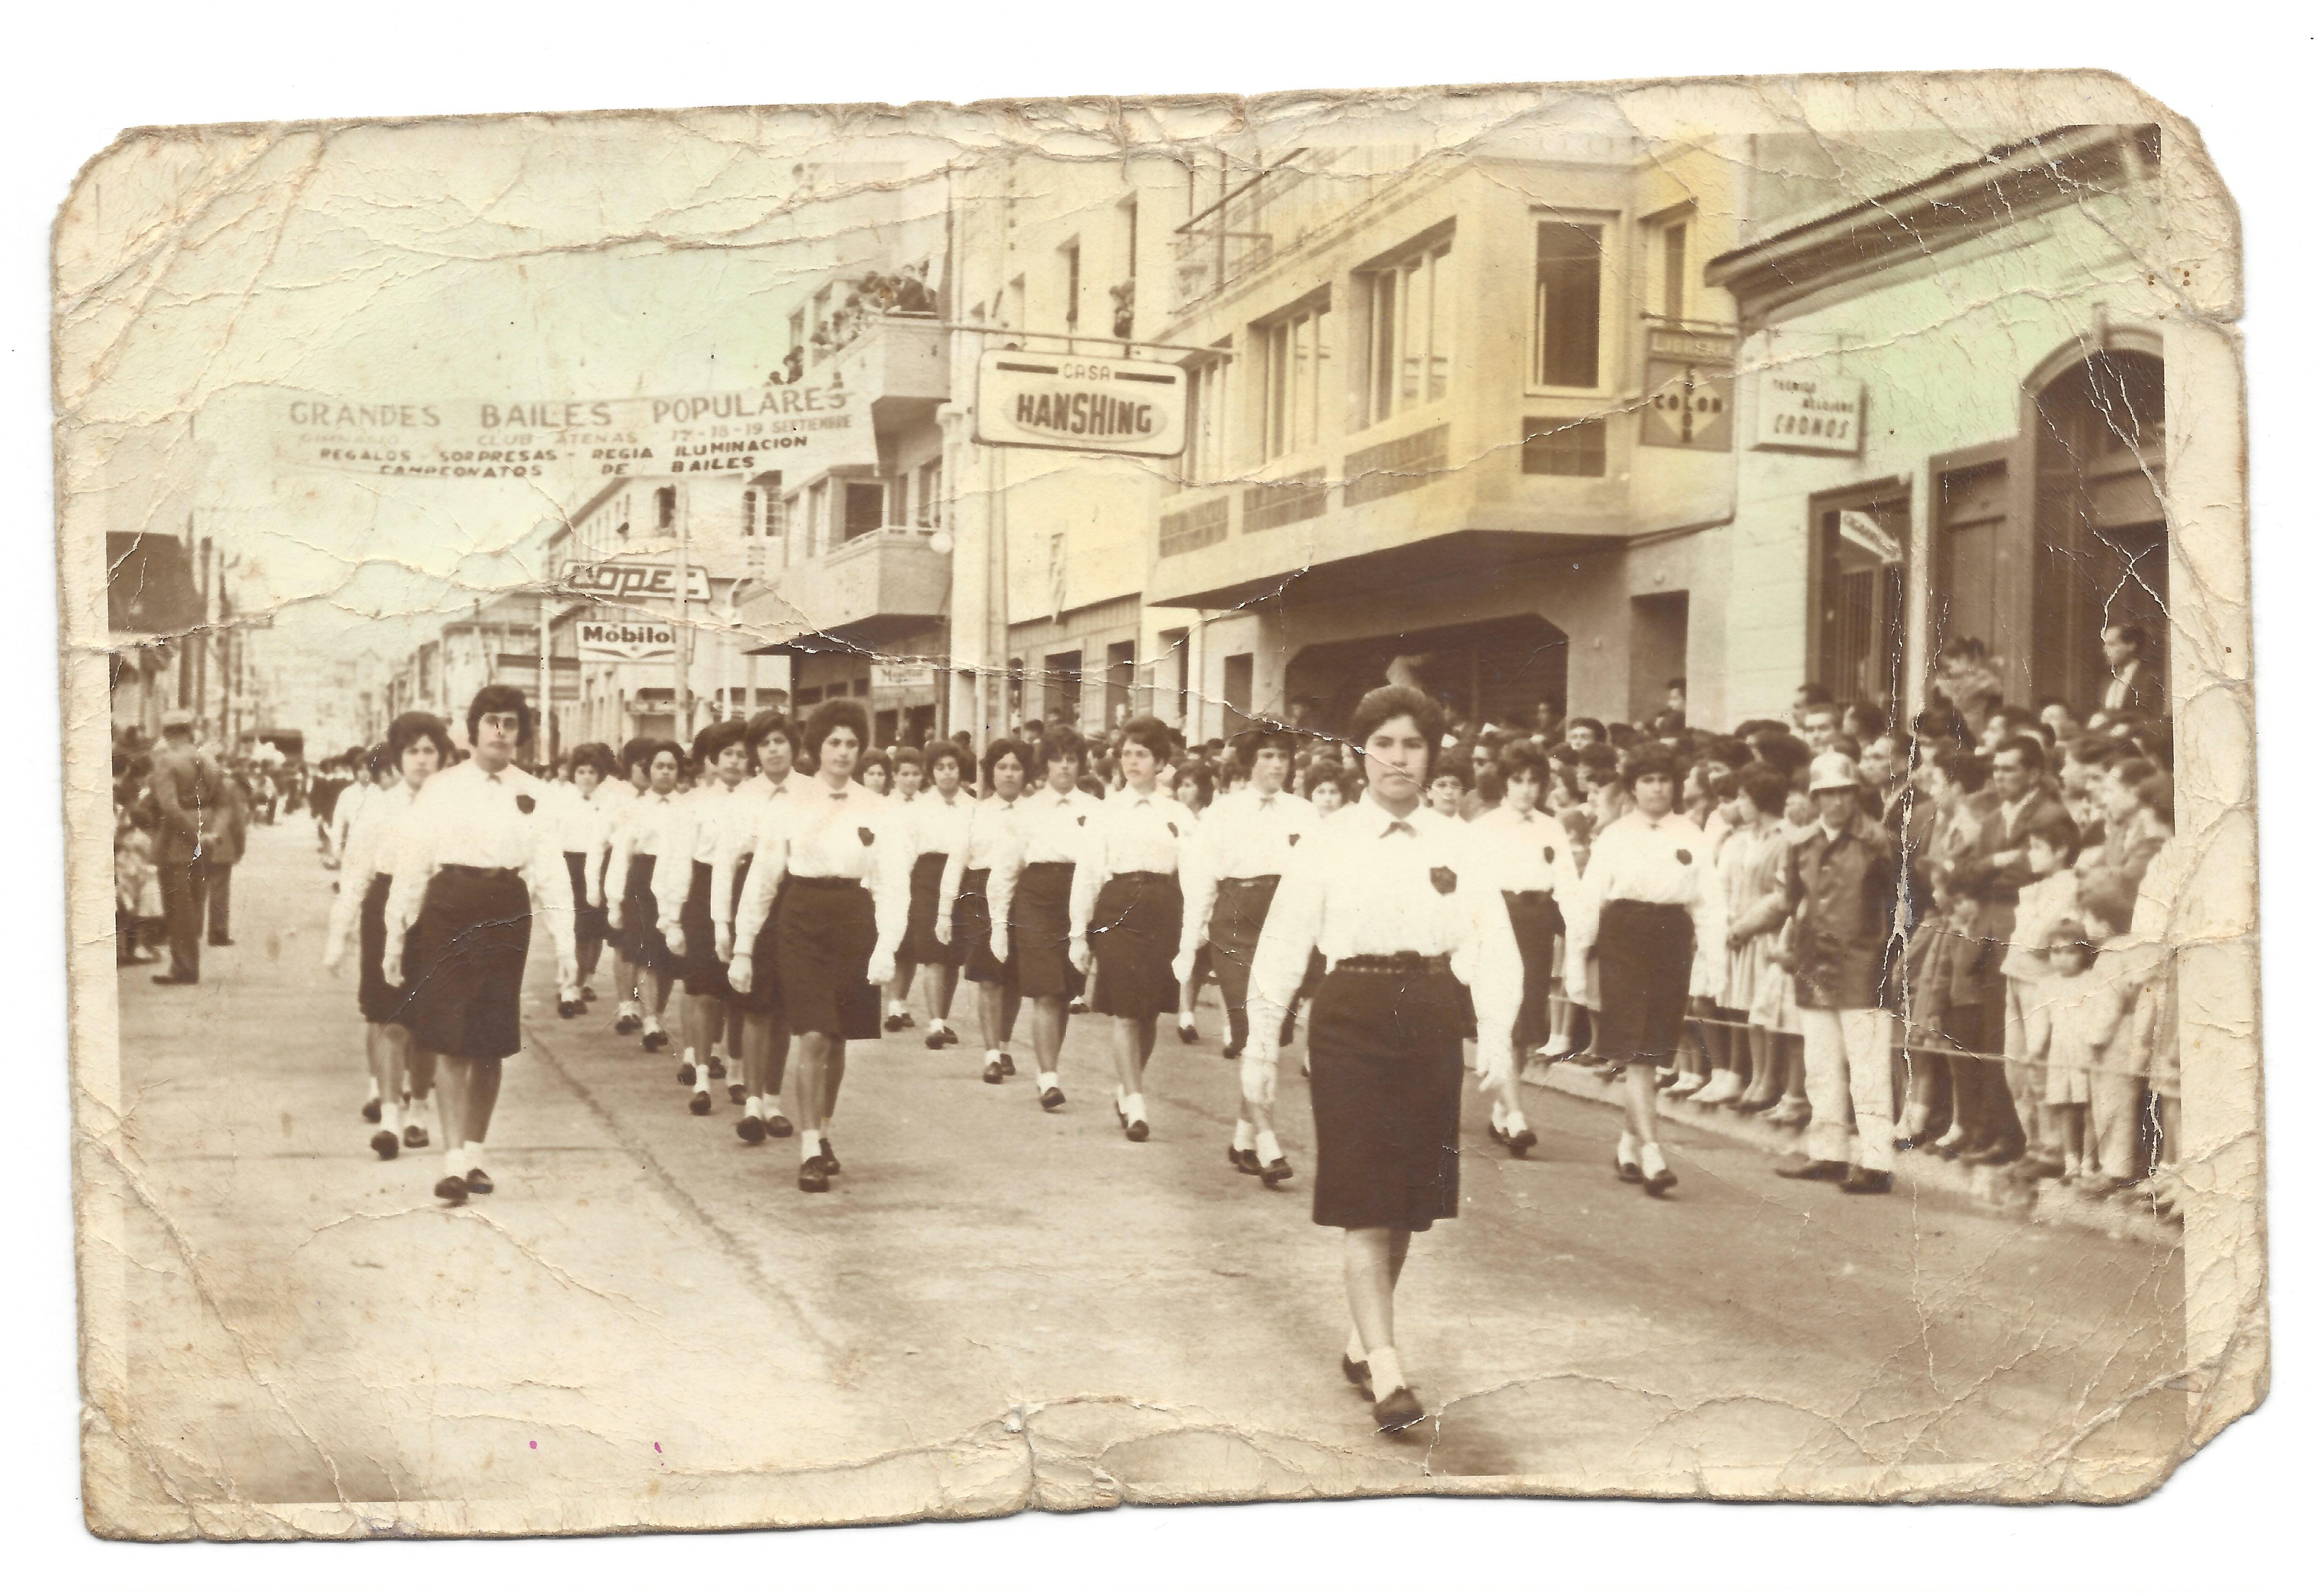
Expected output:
{"points": [[2102, 553], [1493, 670]]}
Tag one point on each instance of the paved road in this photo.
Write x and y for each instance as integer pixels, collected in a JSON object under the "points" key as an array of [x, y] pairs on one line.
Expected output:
{"points": [[648, 1313]]}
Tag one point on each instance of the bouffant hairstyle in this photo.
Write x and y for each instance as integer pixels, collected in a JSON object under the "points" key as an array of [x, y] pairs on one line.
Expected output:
{"points": [[380, 760], [715, 738], [945, 752], [636, 750], [1151, 733], [410, 728], [1523, 757], [654, 749], [832, 714], [1059, 744], [1651, 759], [594, 754], [1384, 703], [1767, 788], [873, 759], [501, 699], [766, 723], [908, 754], [1006, 746]]}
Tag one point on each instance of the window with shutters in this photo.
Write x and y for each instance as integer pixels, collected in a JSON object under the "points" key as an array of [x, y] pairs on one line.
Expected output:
{"points": [[1406, 307]]}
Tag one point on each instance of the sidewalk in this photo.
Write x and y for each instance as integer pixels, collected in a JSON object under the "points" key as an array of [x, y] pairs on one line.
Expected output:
{"points": [[1924, 1177]]}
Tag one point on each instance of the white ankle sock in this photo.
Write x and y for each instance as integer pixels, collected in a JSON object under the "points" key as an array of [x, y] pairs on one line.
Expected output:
{"points": [[474, 1152], [1134, 1107], [1049, 1081], [992, 1055], [1650, 1159], [390, 1118], [1244, 1137], [1388, 1372], [1515, 1123], [1500, 1117], [1628, 1149], [810, 1145], [1355, 1345], [896, 1009], [1269, 1151], [373, 1087], [753, 1107], [453, 1165]]}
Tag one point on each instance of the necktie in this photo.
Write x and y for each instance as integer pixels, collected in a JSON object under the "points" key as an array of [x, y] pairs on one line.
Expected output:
{"points": [[838, 796], [1399, 827]]}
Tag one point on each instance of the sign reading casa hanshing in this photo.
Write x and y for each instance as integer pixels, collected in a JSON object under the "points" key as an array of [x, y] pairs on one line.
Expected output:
{"points": [[1106, 406]]}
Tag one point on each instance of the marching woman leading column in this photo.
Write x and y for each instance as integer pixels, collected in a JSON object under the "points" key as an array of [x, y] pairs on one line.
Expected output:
{"points": [[842, 851], [478, 861], [1390, 894], [1654, 910], [965, 920], [1127, 913]]}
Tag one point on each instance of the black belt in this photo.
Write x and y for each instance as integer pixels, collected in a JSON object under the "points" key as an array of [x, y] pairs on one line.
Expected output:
{"points": [[1044, 863], [1253, 882], [1402, 962], [1529, 895], [828, 882], [468, 871], [1143, 875]]}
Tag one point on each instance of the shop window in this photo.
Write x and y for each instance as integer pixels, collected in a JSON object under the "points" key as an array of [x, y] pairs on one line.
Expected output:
{"points": [[1859, 587], [1406, 307], [883, 727], [1061, 687], [1569, 261], [1288, 355], [1561, 446]]}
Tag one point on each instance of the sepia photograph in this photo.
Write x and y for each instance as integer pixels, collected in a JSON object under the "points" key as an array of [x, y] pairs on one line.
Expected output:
{"points": [[835, 814]]}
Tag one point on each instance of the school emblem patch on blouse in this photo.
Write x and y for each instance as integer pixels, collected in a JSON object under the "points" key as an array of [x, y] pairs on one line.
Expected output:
{"points": [[1172, 826], [523, 804], [864, 835], [1291, 840], [1081, 819], [1444, 880], [1684, 856], [1549, 854]]}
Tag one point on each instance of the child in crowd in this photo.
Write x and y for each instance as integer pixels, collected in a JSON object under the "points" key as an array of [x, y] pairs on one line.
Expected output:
{"points": [[2071, 1020]]}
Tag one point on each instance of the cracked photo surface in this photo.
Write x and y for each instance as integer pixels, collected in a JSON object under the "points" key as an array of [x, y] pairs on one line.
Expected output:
{"points": [[852, 813]]}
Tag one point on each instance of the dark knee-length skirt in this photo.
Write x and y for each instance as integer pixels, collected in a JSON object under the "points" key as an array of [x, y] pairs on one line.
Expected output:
{"points": [[1237, 917], [1645, 952], [1536, 922], [1133, 937], [920, 942], [588, 923], [1040, 932], [704, 974], [466, 963], [379, 1001], [764, 998], [641, 939], [972, 932], [825, 933], [1384, 1050]]}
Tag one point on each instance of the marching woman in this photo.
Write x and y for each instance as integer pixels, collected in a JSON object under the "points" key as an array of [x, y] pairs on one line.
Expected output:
{"points": [[766, 1045], [1519, 847], [638, 845], [418, 745], [936, 820], [1127, 912], [1032, 892], [585, 830], [682, 891], [619, 795], [1230, 875], [1654, 910], [1190, 782], [477, 862], [1390, 894], [842, 854], [965, 917]]}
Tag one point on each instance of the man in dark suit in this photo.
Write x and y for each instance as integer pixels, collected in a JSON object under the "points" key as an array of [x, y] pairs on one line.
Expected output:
{"points": [[2134, 689], [191, 807], [219, 858], [1991, 874]]}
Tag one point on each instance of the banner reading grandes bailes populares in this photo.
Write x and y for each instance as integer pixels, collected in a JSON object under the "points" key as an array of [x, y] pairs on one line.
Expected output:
{"points": [[799, 430]]}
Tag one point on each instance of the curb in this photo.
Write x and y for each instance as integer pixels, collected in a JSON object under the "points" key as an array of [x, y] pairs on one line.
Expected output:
{"points": [[1927, 1177]]}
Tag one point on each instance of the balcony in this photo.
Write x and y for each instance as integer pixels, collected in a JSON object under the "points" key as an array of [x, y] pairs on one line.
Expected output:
{"points": [[893, 360], [867, 592]]}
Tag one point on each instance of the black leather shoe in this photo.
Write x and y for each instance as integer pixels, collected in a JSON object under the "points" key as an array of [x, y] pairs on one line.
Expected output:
{"points": [[779, 1126], [1813, 1171], [1243, 1160], [736, 1094], [993, 1073], [451, 1189], [1136, 1130], [1231, 1052], [1277, 1172], [479, 1184], [386, 1145], [415, 1138], [717, 1069], [654, 1039], [221, 942], [1522, 1141], [1496, 1133], [1356, 1372], [1662, 1184], [935, 1039], [1052, 1099], [813, 1179], [896, 1023], [370, 1110], [1401, 1409], [628, 1023], [700, 1105], [1120, 1116], [830, 1156], [568, 1009], [686, 1074], [752, 1131], [1188, 1035], [1628, 1171], [1863, 1180], [1008, 1064]]}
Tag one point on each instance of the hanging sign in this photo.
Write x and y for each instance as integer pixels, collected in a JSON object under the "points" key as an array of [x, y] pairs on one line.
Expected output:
{"points": [[793, 428], [1869, 535], [623, 641], [1089, 405], [1810, 413], [634, 580], [1690, 391]]}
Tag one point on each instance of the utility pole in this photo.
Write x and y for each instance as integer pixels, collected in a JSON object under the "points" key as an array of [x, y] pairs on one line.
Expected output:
{"points": [[682, 649]]}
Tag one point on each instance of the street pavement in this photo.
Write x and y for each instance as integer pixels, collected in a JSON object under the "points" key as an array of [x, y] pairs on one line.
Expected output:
{"points": [[997, 1307]]}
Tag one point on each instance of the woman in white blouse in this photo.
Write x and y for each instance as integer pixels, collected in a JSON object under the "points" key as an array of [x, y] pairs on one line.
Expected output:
{"points": [[1127, 913], [939, 819], [964, 915], [418, 745], [681, 888], [1032, 890], [639, 841], [773, 741], [585, 832], [1393, 896], [843, 851]]}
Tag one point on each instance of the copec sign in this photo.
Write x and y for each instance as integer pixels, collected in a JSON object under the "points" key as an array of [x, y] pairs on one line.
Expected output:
{"points": [[1110, 406]]}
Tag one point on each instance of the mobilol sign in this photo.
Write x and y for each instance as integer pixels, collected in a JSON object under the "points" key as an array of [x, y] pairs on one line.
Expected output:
{"points": [[795, 427], [1810, 413], [624, 641], [1104, 406]]}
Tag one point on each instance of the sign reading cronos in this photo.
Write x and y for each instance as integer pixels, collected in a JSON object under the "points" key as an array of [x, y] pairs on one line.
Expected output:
{"points": [[623, 641], [1090, 406]]}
